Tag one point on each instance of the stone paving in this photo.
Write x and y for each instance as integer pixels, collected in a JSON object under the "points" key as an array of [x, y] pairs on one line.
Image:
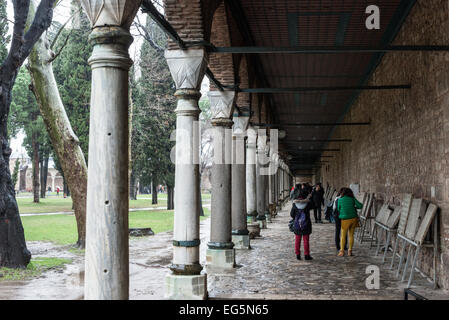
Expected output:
{"points": [[270, 269]]}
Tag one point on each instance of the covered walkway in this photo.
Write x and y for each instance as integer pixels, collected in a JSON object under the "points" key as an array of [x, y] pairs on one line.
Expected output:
{"points": [[270, 270], [299, 90]]}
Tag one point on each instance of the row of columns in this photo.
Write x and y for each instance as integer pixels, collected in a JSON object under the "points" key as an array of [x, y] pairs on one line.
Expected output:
{"points": [[244, 182]]}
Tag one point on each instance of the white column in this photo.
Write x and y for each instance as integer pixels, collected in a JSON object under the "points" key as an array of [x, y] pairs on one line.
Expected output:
{"points": [[186, 281], [240, 234], [261, 180], [220, 253], [251, 206], [106, 271]]}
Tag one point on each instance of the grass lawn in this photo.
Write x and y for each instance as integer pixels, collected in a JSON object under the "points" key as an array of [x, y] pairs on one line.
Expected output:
{"points": [[61, 229], [35, 268], [61, 204]]}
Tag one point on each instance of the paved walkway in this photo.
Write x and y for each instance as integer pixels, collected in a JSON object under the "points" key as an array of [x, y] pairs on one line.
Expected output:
{"points": [[271, 271], [268, 271]]}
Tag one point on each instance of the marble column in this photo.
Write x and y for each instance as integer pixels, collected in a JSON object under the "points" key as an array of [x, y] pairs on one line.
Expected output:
{"points": [[240, 234], [107, 258], [220, 253], [185, 281], [251, 205], [261, 181]]}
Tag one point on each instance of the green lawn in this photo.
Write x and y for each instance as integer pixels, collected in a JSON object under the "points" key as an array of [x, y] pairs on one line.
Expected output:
{"points": [[61, 204], [26, 205], [35, 268], [61, 229]]}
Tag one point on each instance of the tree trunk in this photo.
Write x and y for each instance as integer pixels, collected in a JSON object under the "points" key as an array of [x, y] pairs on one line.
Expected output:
{"points": [[154, 193], [170, 198], [13, 250], [36, 184], [63, 139], [200, 200], [133, 186], [44, 176]]}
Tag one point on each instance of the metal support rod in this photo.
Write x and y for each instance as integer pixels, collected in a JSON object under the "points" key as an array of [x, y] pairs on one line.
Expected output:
{"points": [[325, 88], [328, 49], [387, 244], [150, 9], [317, 140], [315, 124], [412, 272], [312, 150], [407, 262]]}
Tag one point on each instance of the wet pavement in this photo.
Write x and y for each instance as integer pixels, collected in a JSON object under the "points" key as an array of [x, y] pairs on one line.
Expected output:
{"points": [[269, 270]]}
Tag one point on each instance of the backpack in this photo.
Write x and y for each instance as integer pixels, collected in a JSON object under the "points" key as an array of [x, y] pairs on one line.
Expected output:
{"points": [[300, 222]]}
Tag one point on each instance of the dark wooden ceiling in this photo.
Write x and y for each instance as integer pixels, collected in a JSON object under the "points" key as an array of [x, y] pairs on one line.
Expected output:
{"points": [[289, 23]]}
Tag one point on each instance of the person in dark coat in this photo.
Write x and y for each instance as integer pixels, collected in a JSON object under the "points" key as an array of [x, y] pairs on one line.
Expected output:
{"points": [[302, 205], [318, 200]]}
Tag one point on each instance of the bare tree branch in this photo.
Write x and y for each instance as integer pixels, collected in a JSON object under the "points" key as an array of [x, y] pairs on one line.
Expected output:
{"points": [[146, 35], [62, 28], [55, 55]]}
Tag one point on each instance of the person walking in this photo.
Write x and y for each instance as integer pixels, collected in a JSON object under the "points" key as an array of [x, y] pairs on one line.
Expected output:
{"points": [[337, 220], [302, 224], [318, 201], [347, 207]]}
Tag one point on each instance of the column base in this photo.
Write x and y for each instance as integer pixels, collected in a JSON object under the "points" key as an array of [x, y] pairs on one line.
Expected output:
{"points": [[220, 258], [251, 216], [179, 287], [254, 230], [241, 241], [268, 217], [262, 221]]}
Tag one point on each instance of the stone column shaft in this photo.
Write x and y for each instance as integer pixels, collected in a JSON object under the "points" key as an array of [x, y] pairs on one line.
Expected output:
{"points": [[240, 234], [186, 280], [220, 253], [106, 271], [107, 261], [251, 199], [220, 232], [261, 181]]}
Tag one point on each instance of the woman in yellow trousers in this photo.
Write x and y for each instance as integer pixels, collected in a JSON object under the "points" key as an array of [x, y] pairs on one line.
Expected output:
{"points": [[347, 206]]}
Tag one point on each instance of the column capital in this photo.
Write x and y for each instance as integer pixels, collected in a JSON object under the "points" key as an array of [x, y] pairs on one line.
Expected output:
{"points": [[117, 13], [187, 68], [110, 48], [221, 104], [252, 136], [240, 126]]}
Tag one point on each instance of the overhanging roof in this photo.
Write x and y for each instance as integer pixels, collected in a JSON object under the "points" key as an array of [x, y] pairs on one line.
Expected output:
{"points": [[308, 24]]}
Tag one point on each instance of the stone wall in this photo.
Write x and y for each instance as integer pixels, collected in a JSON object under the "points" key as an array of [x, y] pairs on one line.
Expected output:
{"points": [[406, 147]]}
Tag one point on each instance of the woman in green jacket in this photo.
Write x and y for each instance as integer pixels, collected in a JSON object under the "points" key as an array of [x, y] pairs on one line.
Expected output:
{"points": [[347, 206]]}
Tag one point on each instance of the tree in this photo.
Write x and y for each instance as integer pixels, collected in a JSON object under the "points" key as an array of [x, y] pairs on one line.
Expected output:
{"points": [[73, 74], [206, 146], [25, 115], [4, 37], [153, 117], [15, 173], [64, 140], [13, 250]]}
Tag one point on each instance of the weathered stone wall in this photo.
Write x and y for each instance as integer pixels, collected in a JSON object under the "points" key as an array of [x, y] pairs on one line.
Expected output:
{"points": [[406, 147]]}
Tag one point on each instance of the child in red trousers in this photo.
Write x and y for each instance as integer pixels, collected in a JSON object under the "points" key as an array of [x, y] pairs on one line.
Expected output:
{"points": [[302, 224]]}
